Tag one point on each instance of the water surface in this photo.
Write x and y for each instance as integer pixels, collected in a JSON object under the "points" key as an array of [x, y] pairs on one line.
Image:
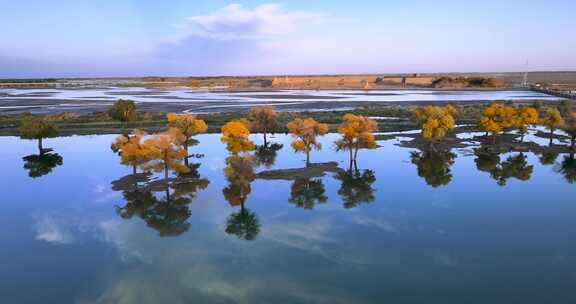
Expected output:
{"points": [[194, 101], [417, 228]]}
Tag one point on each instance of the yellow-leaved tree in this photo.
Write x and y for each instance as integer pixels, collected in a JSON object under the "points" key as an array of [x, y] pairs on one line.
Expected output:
{"points": [[167, 152], [552, 119], [525, 117], [435, 121], [570, 128], [305, 133], [496, 118], [356, 131], [132, 150], [263, 119], [189, 125], [235, 134]]}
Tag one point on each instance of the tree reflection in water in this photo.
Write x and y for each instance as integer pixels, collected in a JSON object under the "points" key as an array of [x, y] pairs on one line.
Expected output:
{"points": [[567, 168], [41, 164], [307, 192], [356, 187], [169, 214], [434, 166], [240, 174], [548, 158], [266, 154], [515, 166]]}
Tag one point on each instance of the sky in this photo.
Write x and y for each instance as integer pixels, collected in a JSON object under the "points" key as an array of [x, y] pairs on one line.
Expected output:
{"points": [[108, 38]]}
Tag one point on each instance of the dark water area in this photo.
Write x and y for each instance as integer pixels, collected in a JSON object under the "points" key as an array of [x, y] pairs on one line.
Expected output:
{"points": [[409, 227]]}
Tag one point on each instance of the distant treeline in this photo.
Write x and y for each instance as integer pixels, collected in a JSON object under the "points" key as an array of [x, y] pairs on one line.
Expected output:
{"points": [[467, 82], [36, 80]]}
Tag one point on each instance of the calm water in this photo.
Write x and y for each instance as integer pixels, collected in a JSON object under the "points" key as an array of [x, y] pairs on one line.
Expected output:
{"points": [[98, 99], [438, 231]]}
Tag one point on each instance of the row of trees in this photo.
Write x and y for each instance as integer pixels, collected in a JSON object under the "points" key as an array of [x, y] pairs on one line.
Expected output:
{"points": [[497, 118]]}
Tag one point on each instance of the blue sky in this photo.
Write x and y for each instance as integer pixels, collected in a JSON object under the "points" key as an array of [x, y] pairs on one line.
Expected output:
{"points": [[70, 38]]}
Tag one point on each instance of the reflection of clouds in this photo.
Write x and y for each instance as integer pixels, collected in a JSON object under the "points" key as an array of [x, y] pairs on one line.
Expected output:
{"points": [[51, 230], [378, 223], [203, 284], [104, 193], [209, 268], [114, 232]]}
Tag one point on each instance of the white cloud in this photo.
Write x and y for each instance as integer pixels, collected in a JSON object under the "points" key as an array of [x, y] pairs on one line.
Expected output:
{"points": [[236, 21]]}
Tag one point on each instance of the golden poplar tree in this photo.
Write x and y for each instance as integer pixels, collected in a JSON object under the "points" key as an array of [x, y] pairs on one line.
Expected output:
{"points": [[189, 126], [435, 121], [167, 152], [235, 134], [305, 133], [263, 119], [525, 117], [132, 150], [356, 131], [496, 118], [570, 128], [552, 119]]}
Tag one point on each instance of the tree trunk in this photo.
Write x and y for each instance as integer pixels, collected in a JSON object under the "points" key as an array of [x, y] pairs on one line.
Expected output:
{"points": [[307, 158], [265, 140], [551, 136], [40, 149], [493, 139], [167, 195], [351, 159], [166, 166], [133, 169], [187, 155]]}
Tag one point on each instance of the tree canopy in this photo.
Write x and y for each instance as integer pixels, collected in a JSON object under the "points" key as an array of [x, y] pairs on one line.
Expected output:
{"points": [[525, 117], [35, 127], [235, 134], [305, 133], [496, 118], [357, 133], [263, 119], [435, 121], [166, 152], [123, 110], [552, 119]]}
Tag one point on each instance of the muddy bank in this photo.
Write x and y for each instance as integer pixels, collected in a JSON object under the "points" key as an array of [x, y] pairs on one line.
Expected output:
{"points": [[311, 171]]}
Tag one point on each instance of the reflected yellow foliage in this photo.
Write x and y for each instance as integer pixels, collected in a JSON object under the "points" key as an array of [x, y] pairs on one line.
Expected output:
{"points": [[240, 174], [434, 166]]}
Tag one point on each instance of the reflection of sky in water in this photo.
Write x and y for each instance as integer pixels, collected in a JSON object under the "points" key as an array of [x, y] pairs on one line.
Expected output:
{"points": [[205, 101], [63, 240]]}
